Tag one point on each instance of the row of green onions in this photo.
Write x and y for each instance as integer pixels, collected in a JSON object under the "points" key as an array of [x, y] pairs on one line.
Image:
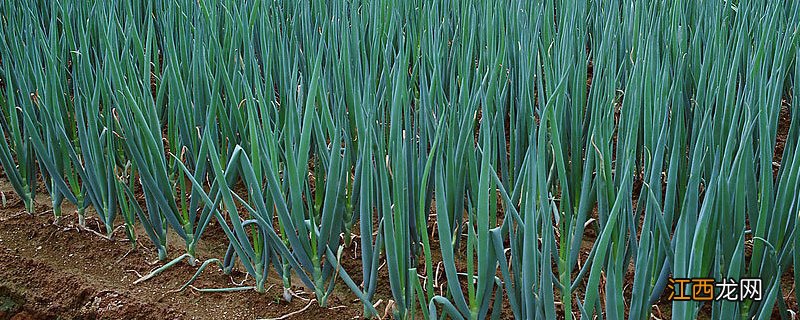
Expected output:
{"points": [[467, 147]]}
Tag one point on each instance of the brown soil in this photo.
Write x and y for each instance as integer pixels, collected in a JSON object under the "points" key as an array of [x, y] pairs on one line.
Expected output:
{"points": [[57, 272]]}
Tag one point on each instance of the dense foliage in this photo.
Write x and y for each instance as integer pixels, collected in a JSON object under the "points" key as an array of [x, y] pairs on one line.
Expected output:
{"points": [[570, 153]]}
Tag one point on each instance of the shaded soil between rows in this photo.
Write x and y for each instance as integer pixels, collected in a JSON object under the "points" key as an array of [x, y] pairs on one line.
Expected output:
{"points": [[52, 271]]}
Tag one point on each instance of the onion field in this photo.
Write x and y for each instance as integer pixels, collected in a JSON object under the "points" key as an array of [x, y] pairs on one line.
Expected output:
{"points": [[546, 159]]}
